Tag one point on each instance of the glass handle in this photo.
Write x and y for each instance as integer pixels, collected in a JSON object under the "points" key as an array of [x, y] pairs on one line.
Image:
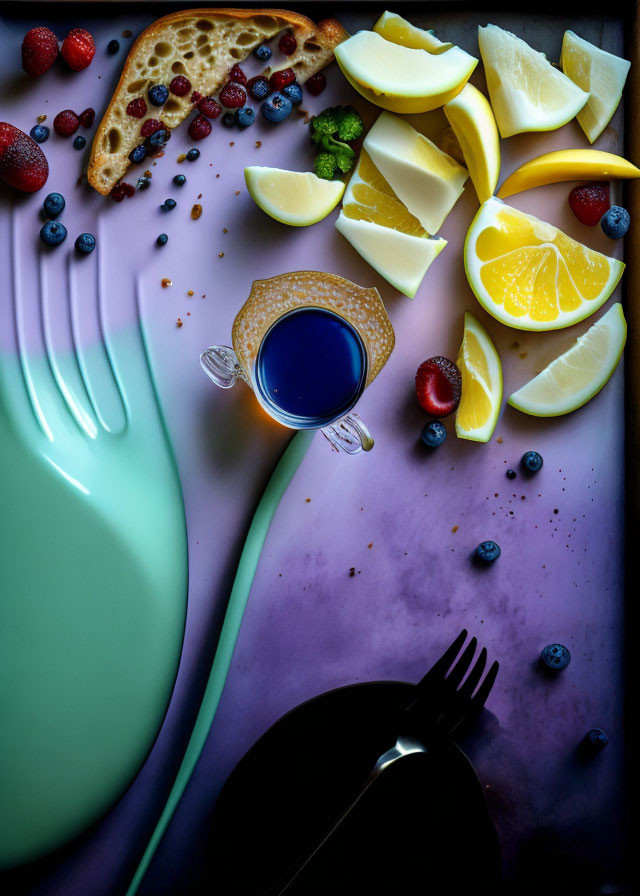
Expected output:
{"points": [[221, 365], [349, 434]]}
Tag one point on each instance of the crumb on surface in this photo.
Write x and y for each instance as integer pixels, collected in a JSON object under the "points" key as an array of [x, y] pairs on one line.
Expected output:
{"points": [[181, 157], [224, 230], [370, 545], [499, 441], [220, 254], [307, 500], [199, 195], [233, 143], [127, 32], [196, 211], [352, 572], [189, 292], [523, 355], [237, 192], [41, 118], [258, 144], [179, 323], [165, 282], [455, 529]]}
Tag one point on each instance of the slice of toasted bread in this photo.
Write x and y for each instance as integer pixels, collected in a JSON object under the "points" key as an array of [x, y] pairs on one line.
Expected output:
{"points": [[202, 45]]}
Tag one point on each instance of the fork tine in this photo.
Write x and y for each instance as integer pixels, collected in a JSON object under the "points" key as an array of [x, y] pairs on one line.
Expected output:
{"points": [[460, 669], [484, 690], [442, 666], [467, 689]]}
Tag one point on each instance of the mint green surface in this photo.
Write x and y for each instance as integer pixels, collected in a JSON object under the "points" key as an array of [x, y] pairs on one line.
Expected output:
{"points": [[93, 584], [276, 487]]}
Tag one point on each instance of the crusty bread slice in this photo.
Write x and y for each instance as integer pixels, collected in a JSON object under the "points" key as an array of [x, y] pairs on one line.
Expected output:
{"points": [[202, 45]]}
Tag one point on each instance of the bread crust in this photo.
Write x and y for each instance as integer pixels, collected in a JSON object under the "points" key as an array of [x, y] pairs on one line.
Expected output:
{"points": [[329, 31]]}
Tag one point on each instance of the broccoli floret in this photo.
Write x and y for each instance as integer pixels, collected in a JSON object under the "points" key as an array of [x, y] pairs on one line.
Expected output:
{"points": [[324, 165], [341, 122]]}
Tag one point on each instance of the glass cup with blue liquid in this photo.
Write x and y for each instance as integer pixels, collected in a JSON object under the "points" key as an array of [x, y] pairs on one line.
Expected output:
{"points": [[308, 344]]}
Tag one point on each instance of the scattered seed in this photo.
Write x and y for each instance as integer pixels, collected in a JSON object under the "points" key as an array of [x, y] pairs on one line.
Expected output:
{"points": [[181, 157], [199, 195], [41, 118]]}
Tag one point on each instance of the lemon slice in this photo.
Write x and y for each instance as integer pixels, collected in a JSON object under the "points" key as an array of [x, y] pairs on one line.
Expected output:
{"points": [[402, 79], [425, 179], [580, 373], [530, 275], [393, 27], [298, 198], [601, 74], [481, 370], [567, 164], [384, 231], [471, 118], [527, 93]]}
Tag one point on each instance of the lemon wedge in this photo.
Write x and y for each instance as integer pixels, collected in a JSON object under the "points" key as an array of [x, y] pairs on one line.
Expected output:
{"points": [[471, 118], [602, 75], [529, 275], [580, 373], [384, 231], [298, 198], [479, 364], [402, 79], [425, 179], [527, 93], [393, 27], [567, 164]]}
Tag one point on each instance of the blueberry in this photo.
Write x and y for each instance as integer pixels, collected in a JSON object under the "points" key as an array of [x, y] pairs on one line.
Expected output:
{"points": [[158, 95], [53, 233], [511, 474], [193, 154], [487, 552], [79, 142], [113, 46], [143, 183], [531, 461], [162, 239], [168, 205], [276, 108], [615, 222], [228, 119], [138, 153], [159, 138], [596, 739], [263, 52], [54, 205], [259, 88], [294, 93], [433, 434], [245, 116], [556, 657], [39, 133], [179, 180], [86, 243]]}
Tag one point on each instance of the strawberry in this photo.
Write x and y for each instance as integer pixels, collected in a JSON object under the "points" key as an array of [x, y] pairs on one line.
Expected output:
{"points": [[438, 386], [589, 202], [39, 51], [23, 165], [78, 49]]}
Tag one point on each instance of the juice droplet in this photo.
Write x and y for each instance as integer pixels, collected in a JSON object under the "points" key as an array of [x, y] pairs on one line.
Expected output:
{"points": [[166, 282], [196, 211]]}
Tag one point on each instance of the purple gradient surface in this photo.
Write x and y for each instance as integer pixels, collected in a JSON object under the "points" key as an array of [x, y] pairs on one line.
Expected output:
{"points": [[406, 520]]}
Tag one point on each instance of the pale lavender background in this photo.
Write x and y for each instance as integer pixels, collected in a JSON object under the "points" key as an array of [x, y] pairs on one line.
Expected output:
{"points": [[309, 625]]}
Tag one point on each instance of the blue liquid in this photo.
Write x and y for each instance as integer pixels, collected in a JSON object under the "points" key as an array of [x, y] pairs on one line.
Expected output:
{"points": [[311, 367]]}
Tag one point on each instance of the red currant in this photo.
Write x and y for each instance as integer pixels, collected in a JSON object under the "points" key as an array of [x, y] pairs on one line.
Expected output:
{"points": [[288, 44], [180, 86], [316, 83], [281, 79]]}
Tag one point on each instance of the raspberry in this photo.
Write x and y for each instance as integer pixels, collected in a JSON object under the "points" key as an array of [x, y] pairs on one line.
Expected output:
{"points": [[180, 86], [589, 202], [137, 108], [316, 83], [280, 79], [150, 126], [196, 97], [237, 75], [39, 51], [199, 128], [288, 44], [129, 190], [66, 123], [438, 386], [23, 165], [233, 96], [210, 107], [117, 193], [78, 49], [86, 118]]}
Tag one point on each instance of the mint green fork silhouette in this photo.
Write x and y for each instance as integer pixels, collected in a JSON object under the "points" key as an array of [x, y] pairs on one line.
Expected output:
{"points": [[93, 558]]}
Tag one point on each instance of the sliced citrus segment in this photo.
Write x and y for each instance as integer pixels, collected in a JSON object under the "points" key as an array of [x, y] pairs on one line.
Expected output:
{"points": [[602, 75], [567, 164], [298, 198], [529, 275], [393, 27], [471, 118], [402, 79], [425, 179], [580, 373], [479, 364], [527, 93]]}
